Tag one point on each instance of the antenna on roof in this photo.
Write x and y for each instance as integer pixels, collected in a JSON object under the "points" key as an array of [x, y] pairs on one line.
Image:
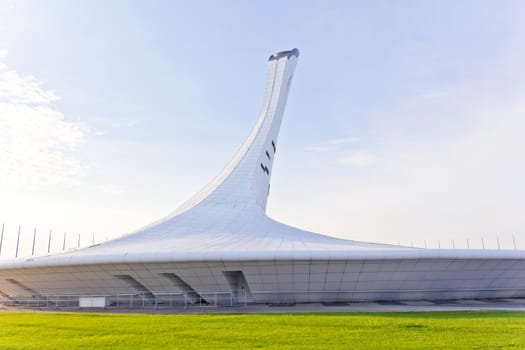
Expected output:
{"points": [[17, 242], [49, 242], [34, 238], [2, 239]]}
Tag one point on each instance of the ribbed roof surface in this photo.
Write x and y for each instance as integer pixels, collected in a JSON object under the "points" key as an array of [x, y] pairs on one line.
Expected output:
{"points": [[227, 221]]}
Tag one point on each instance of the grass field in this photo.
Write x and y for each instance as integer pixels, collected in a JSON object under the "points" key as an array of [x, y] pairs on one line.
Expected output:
{"points": [[432, 330]]}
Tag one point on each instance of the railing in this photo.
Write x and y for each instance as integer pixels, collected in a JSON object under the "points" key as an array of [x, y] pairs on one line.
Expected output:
{"points": [[127, 300], [242, 298]]}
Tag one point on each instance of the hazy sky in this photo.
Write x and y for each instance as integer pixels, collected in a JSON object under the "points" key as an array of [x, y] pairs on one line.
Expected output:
{"points": [[405, 120]]}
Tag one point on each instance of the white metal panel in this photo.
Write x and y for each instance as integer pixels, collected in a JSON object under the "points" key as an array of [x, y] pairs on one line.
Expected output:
{"points": [[92, 302]]}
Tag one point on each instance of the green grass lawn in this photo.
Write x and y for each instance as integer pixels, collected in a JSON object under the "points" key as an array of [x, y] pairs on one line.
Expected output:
{"points": [[432, 330]]}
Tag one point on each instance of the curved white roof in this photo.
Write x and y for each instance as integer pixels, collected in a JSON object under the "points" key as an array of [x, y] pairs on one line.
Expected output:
{"points": [[226, 220]]}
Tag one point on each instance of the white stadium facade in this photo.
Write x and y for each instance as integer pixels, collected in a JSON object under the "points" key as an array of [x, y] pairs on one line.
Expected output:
{"points": [[220, 247]]}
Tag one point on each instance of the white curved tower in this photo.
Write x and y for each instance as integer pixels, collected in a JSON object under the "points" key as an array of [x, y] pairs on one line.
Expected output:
{"points": [[245, 181], [220, 241]]}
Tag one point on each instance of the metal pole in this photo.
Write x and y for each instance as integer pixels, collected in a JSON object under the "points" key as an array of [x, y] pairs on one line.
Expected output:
{"points": [[78, 240], [2, 239], [17, 242], [49, 243], [93, 240], [34, 238], [64, 244], [453, 244], [425, 244], [412, 244], [499, 247], [513, 241], [482, 243], [468, 244], [439, 244]]}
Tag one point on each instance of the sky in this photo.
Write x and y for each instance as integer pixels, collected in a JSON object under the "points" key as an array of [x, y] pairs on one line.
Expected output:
{"points": [[404, 123]]}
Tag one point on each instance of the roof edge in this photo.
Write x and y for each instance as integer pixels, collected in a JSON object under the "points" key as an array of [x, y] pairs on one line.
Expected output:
{"points": [[239, 256], [287, 54]]}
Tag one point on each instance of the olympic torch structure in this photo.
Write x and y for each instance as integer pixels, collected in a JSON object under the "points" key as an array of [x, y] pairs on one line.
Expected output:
{"points": [[222, 241]]}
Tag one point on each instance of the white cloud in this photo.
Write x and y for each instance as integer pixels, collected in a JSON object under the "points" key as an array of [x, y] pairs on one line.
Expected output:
{"points": [[37, 143], [466, 187], [333, 144], [117, 123], [357, 158], [344, 141], [342, 150], [15, 89]]}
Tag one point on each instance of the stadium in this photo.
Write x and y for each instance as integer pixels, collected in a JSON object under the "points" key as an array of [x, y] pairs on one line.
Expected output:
{"points": [[220, 248]]}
